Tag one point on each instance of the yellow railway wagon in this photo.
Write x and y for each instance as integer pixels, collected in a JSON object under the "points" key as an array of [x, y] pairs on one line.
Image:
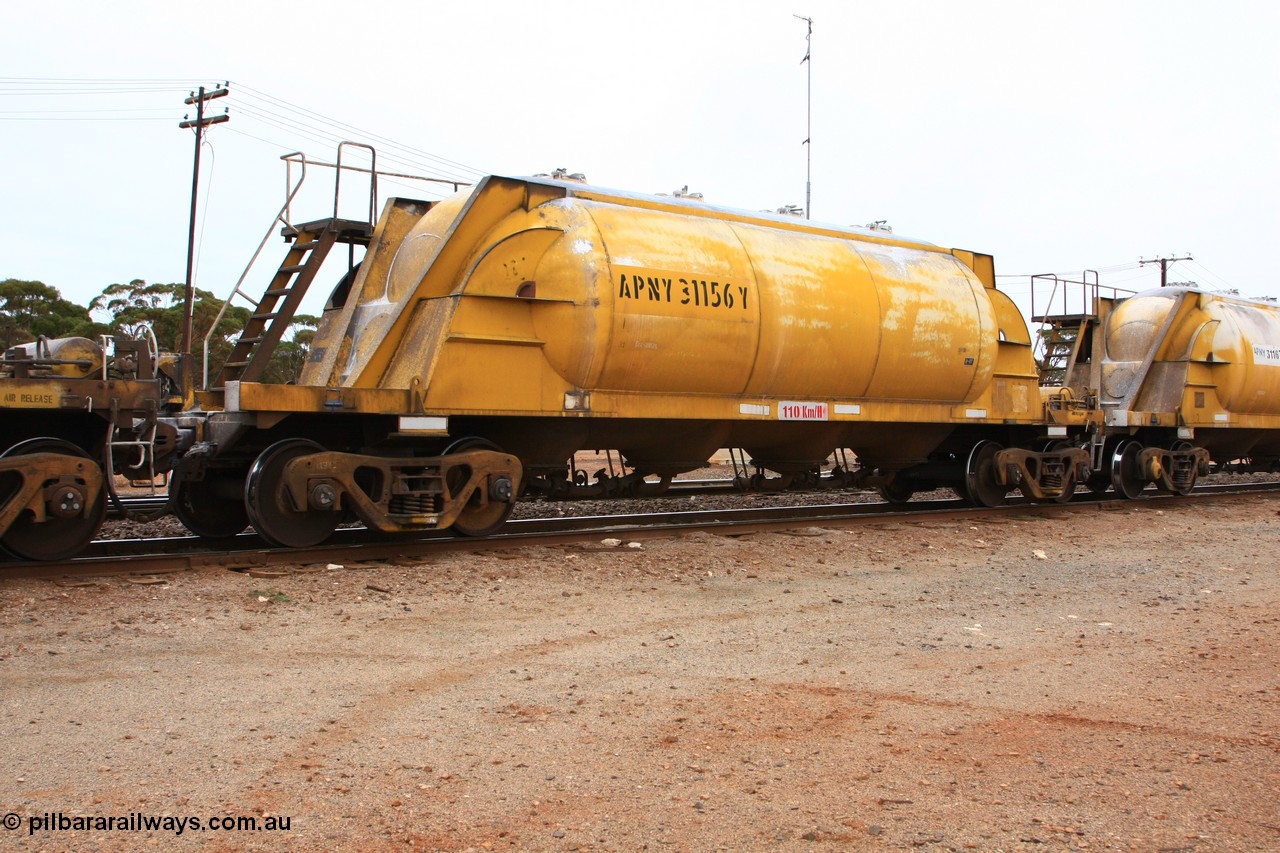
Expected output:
{"points": [[1182, 377], [525, 319]]}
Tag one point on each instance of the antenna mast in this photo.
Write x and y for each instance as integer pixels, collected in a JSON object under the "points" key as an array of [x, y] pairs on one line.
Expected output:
{"points": [[808, 164]]}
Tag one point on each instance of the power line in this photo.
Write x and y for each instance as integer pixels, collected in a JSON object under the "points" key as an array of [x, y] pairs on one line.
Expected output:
{"points": [[83, 118], [115, 110], [61, 93], [255, 104], [332, 140], [386, 142], [1224, 282], [95, 80], [1114, 268]]}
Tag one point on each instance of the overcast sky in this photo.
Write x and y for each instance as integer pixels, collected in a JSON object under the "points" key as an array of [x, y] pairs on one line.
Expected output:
{"points": [[1055, 136]]}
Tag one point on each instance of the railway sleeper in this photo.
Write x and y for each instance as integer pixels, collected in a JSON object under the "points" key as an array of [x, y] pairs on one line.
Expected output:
{"points": [[403, 494]]}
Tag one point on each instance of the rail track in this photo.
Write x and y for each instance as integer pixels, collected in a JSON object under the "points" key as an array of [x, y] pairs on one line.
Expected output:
{"points": [[146, 505], [159, 555]]}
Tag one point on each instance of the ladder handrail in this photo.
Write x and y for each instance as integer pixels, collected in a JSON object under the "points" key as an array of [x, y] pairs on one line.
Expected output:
{"points": [[373, 178], [1052, 294], [281, 217], [1090, 289], [382, 173]]}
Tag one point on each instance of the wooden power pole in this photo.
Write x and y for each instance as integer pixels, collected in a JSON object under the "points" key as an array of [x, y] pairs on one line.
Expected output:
{"points": [[1164, 266], [199, 123]]}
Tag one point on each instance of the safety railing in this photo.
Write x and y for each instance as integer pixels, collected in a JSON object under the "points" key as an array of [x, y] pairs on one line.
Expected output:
{"points": [[1070, 297]]}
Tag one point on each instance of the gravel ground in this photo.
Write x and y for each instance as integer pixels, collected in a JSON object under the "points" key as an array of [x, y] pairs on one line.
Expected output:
{"points": [[1090, 679]]}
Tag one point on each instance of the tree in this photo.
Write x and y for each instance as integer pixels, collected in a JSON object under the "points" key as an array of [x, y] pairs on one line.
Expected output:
{"points": [[161, 306], [29, 309]]}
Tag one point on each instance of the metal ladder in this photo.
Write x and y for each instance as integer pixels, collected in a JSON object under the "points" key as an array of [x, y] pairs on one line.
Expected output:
{"points": [[1059, 345], [274, 311], [1062, 323]]}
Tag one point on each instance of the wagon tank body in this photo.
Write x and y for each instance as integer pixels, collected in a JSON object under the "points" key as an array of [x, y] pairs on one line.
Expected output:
{"points": [[616, 311], [527, 319], [1207, 363]]}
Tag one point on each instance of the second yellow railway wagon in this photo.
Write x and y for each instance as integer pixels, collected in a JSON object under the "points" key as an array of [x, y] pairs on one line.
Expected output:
{"points": [[1181, 376], [487, 337]]}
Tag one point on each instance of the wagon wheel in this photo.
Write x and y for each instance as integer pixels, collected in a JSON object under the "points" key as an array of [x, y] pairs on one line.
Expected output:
{"points": [[267, 501], [898, 490], [1126, 473], [212, 507], [1098, 482], [980, 486], [66, 528], [476, 519]]}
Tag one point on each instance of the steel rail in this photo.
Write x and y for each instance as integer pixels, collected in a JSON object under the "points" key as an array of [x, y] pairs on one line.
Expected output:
{"points": [[679, 488], [164, 555]]}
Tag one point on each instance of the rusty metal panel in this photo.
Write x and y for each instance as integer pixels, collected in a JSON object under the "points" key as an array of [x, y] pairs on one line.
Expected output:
{"points": [[332, 345]]}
